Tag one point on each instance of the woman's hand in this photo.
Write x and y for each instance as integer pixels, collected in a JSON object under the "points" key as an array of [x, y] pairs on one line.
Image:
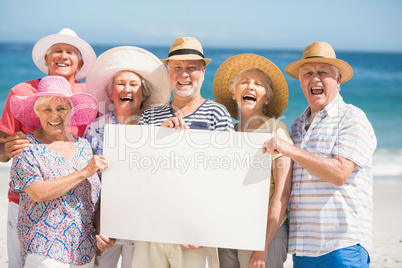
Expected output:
{"points": [[257, 259], [97, 164], [175, 122], [103, 242]]}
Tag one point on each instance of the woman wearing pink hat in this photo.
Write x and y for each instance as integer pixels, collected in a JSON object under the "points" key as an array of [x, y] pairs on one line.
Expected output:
{"points": [[63, 54], [56, 177]]}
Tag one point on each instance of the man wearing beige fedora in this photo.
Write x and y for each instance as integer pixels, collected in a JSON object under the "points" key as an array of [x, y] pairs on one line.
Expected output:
{"points": [[331, 202], [63, 54], [186, 66]]}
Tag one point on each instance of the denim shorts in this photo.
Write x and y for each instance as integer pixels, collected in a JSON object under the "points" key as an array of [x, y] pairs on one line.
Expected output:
{"points": [[353, 256]]}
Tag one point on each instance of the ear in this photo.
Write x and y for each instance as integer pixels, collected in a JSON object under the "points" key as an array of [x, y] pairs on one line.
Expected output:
{"points": [[80, 64], [233, 96], [45, 57], [266, 102], [339, 78]]}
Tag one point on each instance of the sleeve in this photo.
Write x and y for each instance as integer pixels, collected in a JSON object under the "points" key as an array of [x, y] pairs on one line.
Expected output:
{"points": [[8, 123], [143, 118], [223, 121], [356, 138], [88, 135], [25, 171]]}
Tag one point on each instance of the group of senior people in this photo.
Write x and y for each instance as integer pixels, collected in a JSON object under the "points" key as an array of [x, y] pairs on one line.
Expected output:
{"points": [[320, 203]]}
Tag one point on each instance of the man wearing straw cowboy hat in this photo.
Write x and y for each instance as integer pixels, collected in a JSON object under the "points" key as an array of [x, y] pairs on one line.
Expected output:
{"points": [[188, 109], [331, 201], [63, 54]]}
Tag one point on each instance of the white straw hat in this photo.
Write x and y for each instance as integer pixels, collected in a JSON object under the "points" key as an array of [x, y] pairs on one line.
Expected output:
{"points": [[128, 58], [65, 36]]}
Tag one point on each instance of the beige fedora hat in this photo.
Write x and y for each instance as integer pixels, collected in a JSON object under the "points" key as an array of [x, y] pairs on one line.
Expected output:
{"points": [[128, 58], [320, 52], [231, 67], [65, 36], [186, 48]]}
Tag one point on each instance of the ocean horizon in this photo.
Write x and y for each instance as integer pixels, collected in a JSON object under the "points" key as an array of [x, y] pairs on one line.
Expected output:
{"points": [[376, 88]]}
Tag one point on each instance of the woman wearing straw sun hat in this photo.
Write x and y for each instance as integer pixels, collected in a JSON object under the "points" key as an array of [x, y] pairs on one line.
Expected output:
{"points": [[255, 92], [125, 80], [63, 54], [56, 177]]}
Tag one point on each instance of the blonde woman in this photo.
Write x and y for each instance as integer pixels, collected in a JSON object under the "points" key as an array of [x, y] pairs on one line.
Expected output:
{"points": [[255, 93]]}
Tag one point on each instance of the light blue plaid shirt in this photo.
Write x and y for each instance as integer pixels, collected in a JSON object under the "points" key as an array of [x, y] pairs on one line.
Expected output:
{"points": [[325, 217]]}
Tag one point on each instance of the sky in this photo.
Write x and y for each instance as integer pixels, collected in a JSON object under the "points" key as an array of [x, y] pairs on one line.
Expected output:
{"points": [[348, 25]]}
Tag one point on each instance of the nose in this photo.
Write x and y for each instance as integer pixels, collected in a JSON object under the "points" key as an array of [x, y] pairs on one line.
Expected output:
{"points": [[251, 85], [64, 54], [126, 88]]}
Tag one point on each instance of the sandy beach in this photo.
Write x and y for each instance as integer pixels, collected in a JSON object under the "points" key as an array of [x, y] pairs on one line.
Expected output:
{"points": [[387, 234]]}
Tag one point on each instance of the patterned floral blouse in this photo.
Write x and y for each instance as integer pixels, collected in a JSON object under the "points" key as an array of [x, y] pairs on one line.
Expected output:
{"points": [[62, 228]]}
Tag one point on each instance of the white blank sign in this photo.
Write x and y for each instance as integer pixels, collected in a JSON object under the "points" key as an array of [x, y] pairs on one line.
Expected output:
{"points": [[185, 186]]}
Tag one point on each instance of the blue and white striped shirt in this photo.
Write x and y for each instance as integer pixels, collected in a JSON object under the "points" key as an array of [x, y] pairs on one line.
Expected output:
{"points": [[209, 116], [325, 217]]}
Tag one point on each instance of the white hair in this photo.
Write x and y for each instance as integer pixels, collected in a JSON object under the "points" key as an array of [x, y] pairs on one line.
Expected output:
{"points": [[49, 98]]}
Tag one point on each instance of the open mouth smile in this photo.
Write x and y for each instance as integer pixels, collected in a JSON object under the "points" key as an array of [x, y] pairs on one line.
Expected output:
{"points": [[128, 98], [249, 97], [317, 90], [62, 65], [185, 83], [54, 124]]}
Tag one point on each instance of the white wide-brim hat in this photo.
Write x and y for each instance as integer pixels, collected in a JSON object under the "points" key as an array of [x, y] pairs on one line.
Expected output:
{"points": [[128, 58], [65, 36]]}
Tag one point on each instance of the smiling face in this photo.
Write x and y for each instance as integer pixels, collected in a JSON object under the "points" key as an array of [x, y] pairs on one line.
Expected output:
{"points": [[250, 92], [127, 94], [53, 113], [64, 60], [186, 77], [320, 84]]}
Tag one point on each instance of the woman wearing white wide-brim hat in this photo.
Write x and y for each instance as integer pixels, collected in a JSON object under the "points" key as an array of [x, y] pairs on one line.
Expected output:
{"points": [[125, 80], [63, 54]]}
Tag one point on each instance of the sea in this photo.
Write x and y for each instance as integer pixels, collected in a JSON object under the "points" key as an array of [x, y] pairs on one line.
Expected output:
{"points": [[376, 88]]}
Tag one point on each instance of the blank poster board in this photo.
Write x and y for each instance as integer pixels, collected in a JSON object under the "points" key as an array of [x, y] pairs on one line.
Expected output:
{"points": [[206, 188]]}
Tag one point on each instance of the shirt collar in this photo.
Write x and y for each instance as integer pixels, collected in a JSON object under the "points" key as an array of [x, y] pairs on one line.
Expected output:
{"points": [[332, 109]]}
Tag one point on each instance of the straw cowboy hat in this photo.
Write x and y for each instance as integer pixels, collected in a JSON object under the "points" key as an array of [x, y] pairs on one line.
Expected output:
{"points": [[85, 105], [320, 52], [128, 58], [65, 36], [186, 48], [231, 67]]}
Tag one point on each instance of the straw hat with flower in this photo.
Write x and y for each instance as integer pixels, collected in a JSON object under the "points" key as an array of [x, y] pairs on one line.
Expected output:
{"points": [[231, 67]]}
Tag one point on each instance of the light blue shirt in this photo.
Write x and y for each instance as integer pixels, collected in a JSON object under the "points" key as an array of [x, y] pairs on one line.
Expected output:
{"points": [[324, 217]]}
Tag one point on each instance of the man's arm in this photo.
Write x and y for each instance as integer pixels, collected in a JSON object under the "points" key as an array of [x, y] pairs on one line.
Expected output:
{"points": [[11, 145], [335, 170]]}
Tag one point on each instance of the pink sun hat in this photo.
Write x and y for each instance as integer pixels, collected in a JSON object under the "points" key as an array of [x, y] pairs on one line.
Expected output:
{"points": [[85, 105]]}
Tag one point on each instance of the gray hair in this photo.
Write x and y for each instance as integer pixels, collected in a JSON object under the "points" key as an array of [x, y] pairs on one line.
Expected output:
{"points": [[268, 82], [146, 86], [49, 98]]}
